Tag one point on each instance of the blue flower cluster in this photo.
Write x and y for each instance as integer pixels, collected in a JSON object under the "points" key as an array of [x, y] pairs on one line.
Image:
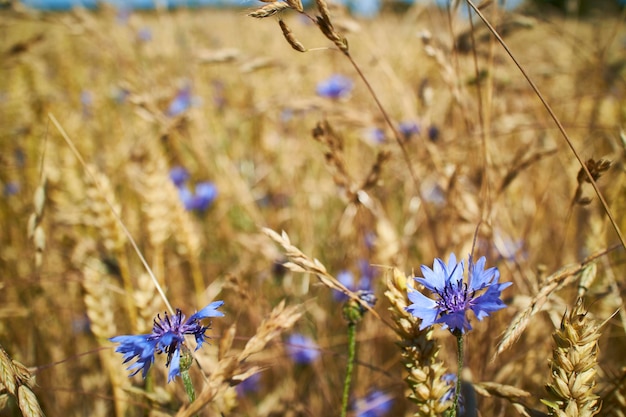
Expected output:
{"points": [[168, 336], [454, 298], [205, 192]]}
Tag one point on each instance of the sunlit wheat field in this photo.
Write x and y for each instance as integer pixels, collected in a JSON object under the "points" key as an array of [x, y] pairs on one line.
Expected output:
{"points": [[302, 167]]}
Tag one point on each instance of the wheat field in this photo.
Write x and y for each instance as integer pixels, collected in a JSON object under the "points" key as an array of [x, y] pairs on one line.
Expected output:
{"points": [[280, 159]]}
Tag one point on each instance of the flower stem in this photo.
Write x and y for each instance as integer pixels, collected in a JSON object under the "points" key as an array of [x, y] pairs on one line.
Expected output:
{"points": [[349, 367], [191, 393], [457, 388]]}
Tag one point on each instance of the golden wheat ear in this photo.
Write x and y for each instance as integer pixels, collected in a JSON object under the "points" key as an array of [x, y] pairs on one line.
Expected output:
{"points": [[111, 206], [574, 366], [18, 381]]}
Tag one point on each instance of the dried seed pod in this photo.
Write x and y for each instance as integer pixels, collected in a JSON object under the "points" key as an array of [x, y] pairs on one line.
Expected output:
{"points": [[269, 10], [288, 34]]}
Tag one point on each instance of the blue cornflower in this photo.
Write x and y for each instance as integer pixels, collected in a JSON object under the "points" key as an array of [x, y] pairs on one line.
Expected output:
{"points": [[375, 404], [303, 350], [454, 298], [337, 86], [168, 335]]}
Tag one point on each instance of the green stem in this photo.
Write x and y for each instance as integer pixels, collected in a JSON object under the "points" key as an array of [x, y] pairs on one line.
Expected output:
{"points": [[191, 393], [349, 367], [457, 388]]}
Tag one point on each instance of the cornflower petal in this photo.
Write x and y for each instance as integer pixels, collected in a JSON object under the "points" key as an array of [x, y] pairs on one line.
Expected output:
{"points": [[208, 311], [424, 308], [478, 277], [174, 366]]}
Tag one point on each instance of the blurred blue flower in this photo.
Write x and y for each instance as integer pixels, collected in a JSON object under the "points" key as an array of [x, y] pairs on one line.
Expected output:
{"points": [[335, 87], [408, 129], [144, 34], [375, 404], [168, 335], [86, 100], [248, 385], [347, 279], [179, 175], [206, 193], [455, 298], [375, 135], [181, 102], [186, 197], [11, 188], [200, 200], [302, 349], [433, 133], [122, 14]]}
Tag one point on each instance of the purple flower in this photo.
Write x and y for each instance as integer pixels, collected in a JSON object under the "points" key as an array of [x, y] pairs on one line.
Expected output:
{"points": [[181, 102], [454, 297], [303, 350], [179, 176], [337, 86], [375, 404], [168, 335]]}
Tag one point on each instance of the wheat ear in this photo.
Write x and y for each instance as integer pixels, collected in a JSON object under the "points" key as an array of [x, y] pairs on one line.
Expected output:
{"points": [[17, 380], [574, 366], [419, 352], [100, 308], [99, 191], [562, 277], [231, 368]]}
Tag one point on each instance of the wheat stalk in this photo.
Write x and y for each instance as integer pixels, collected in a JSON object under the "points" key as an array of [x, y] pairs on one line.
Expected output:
{"points": [[562, 277], [574, 366], [233, 367], [419, 352], [299, 262], [100, 308], [100, 194], [17, 380]]}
